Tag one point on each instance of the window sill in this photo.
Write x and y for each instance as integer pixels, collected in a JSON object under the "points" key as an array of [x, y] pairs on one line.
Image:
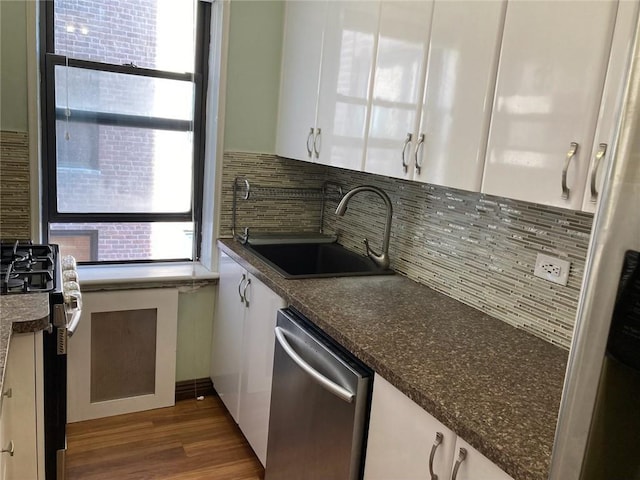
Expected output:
{"points": [[94, 275]]}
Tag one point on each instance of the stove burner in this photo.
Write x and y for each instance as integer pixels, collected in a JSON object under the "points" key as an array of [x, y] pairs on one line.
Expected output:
{"points": [[26, 268]]}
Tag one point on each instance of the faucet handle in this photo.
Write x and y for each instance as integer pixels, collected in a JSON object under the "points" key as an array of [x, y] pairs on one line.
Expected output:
{"points": [[369, 250], [380, 259]]}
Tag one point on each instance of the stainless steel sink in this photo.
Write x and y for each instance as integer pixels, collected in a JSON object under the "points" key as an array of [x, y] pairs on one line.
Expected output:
{"points": [[315, 260]]}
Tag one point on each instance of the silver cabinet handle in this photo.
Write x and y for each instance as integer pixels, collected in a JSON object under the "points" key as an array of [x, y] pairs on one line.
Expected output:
{"points": [[244, 292], [407, 141], [417, 158], [10, 450], [436, 443], [602, 151], [309, 137], [573, 148], [244, 277], [329, 385], [462, 455], [316, 148]]}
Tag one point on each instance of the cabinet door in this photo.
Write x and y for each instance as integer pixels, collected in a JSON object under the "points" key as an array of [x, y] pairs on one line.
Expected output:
{"points": [[345, 80], [550, 79], [461, 74], [19, 409], [402, 436], [611, 102], [398, 86], [302, 47], [473, 465], [257, 364], [227, 335]]}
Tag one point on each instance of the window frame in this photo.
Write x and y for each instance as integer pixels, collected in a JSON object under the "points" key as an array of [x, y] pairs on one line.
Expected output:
{"points": [[200, 78]]}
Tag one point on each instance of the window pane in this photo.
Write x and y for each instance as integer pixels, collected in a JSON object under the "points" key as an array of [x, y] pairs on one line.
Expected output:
{"points": [[122, 170], [123, 241], [155, 34], [117, 93]]}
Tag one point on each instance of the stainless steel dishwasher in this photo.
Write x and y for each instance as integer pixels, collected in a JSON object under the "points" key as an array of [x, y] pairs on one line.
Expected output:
{"points": [[319, 405]]}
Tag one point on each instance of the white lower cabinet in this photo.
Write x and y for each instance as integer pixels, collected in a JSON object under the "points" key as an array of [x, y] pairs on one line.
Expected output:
{"points": [[18, 415], [242, 351], [402, 436], [406, 443], [227, 335]]}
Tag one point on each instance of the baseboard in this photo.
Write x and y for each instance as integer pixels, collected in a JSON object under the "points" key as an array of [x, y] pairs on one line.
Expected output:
{"points": [[186, 389]]}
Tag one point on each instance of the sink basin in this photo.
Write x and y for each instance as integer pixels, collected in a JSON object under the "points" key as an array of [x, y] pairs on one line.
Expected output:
{"points": [[315, 260]]}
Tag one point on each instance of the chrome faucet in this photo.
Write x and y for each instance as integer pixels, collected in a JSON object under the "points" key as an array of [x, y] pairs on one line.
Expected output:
{"points": [[380, 259]]}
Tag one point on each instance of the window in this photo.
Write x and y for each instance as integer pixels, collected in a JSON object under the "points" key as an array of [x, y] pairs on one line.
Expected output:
{"points": [[123, 115]]}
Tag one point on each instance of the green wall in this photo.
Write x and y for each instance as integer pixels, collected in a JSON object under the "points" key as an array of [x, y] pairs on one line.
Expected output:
{"points": [[13, 65], [253, 75], [195, 324]]}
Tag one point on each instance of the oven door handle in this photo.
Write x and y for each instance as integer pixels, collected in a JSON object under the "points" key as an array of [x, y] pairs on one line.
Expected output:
{"points": [[73, 323]]}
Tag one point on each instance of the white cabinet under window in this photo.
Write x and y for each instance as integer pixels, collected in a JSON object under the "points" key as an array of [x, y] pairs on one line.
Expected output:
{"points": [[550, 81], [242, 350], [122, 357], [407, 443]]}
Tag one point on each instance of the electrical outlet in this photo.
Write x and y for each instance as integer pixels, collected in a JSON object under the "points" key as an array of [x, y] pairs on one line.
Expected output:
{"points": [[552, 269]]}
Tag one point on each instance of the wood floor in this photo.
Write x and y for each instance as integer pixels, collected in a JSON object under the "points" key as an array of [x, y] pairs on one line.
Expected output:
{"points": [[192, 441]]}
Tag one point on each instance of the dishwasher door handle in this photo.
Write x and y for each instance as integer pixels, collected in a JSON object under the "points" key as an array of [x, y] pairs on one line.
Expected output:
{"points": [[329, 385]]}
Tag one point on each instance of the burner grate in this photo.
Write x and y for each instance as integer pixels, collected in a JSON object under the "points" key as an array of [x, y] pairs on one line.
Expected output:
{"points": [[27, 268]]}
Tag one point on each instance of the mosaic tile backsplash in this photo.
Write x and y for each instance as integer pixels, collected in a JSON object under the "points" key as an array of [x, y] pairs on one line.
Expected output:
{"points": [[262, 213], [14, 186], [476, 248]]}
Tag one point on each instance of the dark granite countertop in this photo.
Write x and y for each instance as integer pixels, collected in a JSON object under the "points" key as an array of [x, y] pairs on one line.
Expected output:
{"points": [[496, 386], [20, 314]]}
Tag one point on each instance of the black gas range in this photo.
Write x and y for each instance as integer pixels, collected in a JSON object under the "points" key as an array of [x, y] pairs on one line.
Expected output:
{"points": [[27, 268]]}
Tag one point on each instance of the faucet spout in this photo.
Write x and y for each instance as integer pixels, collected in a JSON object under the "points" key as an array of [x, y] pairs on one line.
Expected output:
{"points": [[380, 259]]}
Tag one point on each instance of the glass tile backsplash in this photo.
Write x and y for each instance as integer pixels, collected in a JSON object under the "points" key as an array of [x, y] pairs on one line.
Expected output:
{"points": [[476, 248]]}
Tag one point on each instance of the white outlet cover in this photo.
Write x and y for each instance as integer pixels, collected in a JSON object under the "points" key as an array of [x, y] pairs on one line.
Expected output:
{"points": [[552, 269]]}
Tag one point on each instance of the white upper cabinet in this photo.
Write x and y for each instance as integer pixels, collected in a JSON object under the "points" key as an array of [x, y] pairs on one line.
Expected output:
{"points": [[611, 102], [325, 89], [398, 86], [464, 49], [345, 82], [433, 90], [301, 55], [550, 81]]}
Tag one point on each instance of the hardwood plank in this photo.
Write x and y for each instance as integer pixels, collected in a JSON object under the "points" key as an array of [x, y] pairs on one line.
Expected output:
{"points": [[194, 440]]}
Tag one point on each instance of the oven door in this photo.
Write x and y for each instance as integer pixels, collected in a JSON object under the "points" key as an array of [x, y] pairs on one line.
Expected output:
{"points": [[66, 317], [55, 404]]}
